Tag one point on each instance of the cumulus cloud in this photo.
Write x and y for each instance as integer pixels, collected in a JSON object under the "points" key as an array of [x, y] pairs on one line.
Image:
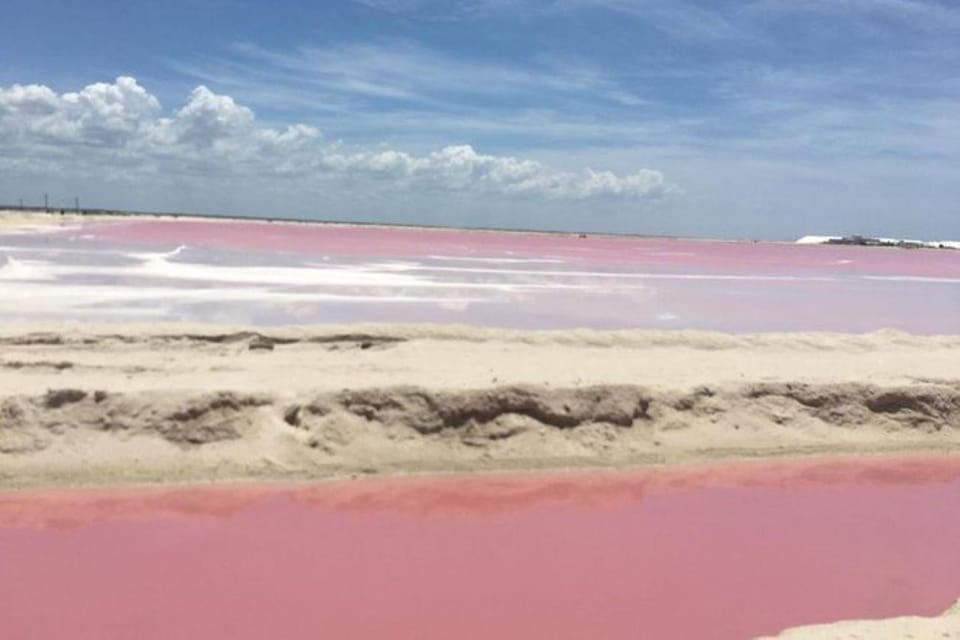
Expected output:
{"points": [[208, 117], [460, 167], [101, 113], [119, 127]]}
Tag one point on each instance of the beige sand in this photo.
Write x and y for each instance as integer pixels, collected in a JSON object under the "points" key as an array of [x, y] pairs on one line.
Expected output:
{"points": [[82, 405], [945, 627], [16, 220], [13, 221]]}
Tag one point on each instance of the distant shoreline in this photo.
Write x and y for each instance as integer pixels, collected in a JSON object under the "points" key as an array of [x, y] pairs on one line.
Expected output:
{"points": [[121, 213], [95, 213]]}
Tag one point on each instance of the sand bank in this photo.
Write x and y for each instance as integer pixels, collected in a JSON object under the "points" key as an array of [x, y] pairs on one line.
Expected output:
{"points": [[944, 627], [87, 405], [13, 221]]}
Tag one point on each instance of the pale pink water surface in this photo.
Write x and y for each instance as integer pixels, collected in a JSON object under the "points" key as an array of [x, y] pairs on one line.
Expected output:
{"points": [[260, 273], [407, 242], [726, 552]]}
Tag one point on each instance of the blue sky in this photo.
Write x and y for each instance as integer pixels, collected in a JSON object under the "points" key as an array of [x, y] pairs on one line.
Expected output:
{"points": [[758, 118]]}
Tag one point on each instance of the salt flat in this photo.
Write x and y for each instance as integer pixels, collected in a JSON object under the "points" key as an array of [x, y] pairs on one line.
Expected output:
{"points": [[253, 272]]}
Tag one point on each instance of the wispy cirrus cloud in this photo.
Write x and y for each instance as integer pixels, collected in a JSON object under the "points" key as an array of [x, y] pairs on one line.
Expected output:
{"points": [[403, 74], [399, 91], [405, 92], [441, 9], [679, 18], [926, 15]]}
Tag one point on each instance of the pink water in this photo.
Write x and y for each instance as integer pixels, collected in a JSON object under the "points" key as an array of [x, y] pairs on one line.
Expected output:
{"points": [[399, 242], [260, 273], [727, 552]]}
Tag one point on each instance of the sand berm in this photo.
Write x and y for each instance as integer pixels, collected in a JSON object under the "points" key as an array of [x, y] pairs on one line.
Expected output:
{"points": [[84, 405]]}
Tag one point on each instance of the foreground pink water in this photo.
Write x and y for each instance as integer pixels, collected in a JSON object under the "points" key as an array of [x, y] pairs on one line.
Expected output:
{"points": [[721, 553]]}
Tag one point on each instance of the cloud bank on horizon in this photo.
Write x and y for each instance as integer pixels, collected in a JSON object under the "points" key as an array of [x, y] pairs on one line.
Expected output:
{"points": [[121, 126], [732, 118]]}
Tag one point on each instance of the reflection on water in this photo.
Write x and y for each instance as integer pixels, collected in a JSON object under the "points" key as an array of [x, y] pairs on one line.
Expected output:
{"points": [[485, 495]]}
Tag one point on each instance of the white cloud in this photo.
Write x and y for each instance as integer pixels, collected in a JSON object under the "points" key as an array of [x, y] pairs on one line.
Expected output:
{"points": [[108, 114], [208, 117], [460, 167], [118, 129], [29, 100]]}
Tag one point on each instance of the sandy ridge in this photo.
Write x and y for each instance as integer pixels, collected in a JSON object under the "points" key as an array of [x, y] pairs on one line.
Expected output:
{"points": [[84, 332], [86, 405], [291, 360]]}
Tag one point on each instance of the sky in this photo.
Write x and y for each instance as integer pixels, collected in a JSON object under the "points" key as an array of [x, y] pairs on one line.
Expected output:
{"points": [[764, 119]]}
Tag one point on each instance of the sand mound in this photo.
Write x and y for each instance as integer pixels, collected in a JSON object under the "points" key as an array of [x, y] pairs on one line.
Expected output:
{"points": [[71, 435], [115, 404], [944, 627]]}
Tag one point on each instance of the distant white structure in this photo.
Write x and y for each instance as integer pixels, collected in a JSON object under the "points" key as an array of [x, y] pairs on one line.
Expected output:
{"points": [[817, 239], [894, 242]]}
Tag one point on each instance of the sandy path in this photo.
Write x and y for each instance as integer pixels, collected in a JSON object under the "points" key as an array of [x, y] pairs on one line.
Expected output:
{"points": [[144, 404], [293, 360]]}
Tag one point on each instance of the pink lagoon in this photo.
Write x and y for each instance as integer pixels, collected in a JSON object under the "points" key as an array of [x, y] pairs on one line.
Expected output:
{"points": [[261, 273], [722, 552]]}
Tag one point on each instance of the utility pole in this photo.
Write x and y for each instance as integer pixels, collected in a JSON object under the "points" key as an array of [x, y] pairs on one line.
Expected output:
{"points": [[46, 204], [76, 204], [21, 203]]}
